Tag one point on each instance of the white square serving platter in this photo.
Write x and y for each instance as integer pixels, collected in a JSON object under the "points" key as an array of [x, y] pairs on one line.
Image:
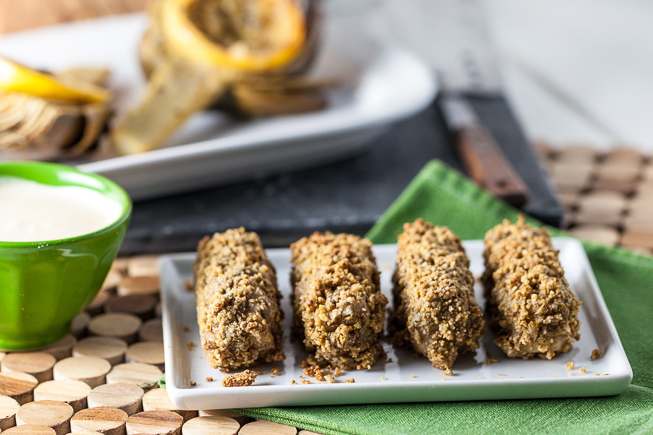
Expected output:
{"points": [[400, 377]]}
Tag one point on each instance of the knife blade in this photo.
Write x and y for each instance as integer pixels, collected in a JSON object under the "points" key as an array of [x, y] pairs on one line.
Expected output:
{"points": [[451, 36]]}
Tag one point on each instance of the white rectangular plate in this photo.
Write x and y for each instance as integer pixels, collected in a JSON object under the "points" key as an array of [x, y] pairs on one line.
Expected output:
{"points": [[400, 377], [377, 84]]}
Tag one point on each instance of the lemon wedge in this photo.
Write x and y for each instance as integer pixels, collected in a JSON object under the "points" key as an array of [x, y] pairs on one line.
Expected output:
{"points": [[246, 35], [15, 77]]}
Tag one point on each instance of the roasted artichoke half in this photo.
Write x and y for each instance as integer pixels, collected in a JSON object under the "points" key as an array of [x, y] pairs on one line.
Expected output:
{"points": [[244, 56], [50, 116]]}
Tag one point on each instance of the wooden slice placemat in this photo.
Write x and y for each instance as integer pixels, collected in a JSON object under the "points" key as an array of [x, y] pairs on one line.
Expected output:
{"points": [[607, 196], [119, 396]]}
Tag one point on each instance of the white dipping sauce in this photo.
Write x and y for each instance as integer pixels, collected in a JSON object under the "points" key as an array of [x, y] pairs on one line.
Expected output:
{"points": [[35, 212]]}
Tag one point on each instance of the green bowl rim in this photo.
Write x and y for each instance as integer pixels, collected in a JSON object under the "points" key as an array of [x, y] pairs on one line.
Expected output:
{"points": [[124, 200]]}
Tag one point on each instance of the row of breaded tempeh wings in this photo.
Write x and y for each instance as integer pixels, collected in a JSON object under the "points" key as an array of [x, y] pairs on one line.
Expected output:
{"points": [[339, 310]]}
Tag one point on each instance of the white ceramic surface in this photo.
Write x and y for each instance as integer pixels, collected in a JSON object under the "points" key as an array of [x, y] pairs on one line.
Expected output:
{"points": [[377, 84], [400, 377]]}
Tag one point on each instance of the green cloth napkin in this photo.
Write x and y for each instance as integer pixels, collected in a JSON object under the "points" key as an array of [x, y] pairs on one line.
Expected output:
{"points": [[443, 196]]}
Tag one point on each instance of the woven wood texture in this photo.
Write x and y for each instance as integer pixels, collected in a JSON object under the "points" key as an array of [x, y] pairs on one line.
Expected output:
{"points": [[608, 196]]}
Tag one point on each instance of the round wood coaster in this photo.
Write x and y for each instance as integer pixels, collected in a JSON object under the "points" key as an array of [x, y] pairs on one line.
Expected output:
{"points": [[104, 419], [145, 376], [37, 364], [152, 330], [157, 400], [119, 325], [126, 397], [260, 427], [211, 425], [80, 323], [138, 305], [111, 349], [97, 304], [143, 265], [62, 348], [139, 285], [120, 264], [30, 429], [71, 392], [155, 423], [242, 419], [19, 386], [89, 369], [112, 280], [596, 233], [8, 409], [48, 413], [578, 153], [147, 352]]}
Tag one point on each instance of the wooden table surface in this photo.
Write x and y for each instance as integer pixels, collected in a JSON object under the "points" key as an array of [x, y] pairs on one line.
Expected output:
{"points": [[16, 15]]}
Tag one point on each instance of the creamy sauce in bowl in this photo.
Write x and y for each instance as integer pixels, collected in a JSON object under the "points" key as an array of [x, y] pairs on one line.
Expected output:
{"points": [[36, 212]]}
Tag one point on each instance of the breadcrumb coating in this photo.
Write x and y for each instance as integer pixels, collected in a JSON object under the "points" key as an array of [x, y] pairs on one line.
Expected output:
{"points": [[338, 306], [434, 297], [241, 379], [531, 307], [237, 301]]}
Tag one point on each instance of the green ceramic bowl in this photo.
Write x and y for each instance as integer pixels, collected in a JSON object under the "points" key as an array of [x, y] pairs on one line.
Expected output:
{"points": [[43, 285]]}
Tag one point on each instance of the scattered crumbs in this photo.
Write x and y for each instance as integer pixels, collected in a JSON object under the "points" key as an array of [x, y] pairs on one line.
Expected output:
{"points": [[209, 379], [193, 383], [330, 379], [570, 365], [521, 377], [315, 372], [389, 361], [555, 376], [188, 285], [276, 371], [480, 378], [597, 374], [501, 374], [337, 372], [383, 378], [306, 381], [490, 361], [350, 381], [191, 346], [293, 382], [240, 379], [606, 374], [186, 328], [443, 378], [413, 376], [448, 372], [583, 370], [596, 354], [301, 376]]}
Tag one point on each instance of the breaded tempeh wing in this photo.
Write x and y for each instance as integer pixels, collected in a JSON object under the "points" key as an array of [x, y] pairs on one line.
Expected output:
{"points": [[337, 301], [237, 301], [530, 305], [434, 296]]}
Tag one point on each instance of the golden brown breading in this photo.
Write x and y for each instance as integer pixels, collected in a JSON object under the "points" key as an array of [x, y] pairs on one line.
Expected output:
{"points": [[434, 296], [531, 307], [337, 301], [241, 379], [237, 301]]}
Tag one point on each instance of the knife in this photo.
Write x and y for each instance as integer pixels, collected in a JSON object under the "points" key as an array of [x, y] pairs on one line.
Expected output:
{"points": [[451, 36]]}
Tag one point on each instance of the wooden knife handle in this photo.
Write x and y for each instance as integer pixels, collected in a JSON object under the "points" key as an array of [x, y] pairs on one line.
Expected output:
{"points": [[486, 164]]}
